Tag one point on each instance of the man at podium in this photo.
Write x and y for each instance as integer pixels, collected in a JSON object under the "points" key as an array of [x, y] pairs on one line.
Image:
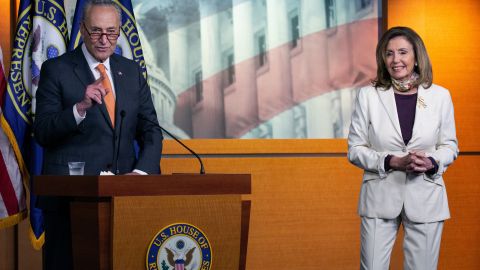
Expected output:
{"points": [[91, 106]]}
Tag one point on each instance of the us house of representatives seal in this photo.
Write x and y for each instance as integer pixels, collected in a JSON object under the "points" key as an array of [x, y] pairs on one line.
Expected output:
{"points": [[179, 246]]}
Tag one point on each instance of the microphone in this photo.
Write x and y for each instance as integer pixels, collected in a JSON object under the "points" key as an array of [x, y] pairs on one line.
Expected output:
{"points": [[202, 169], [122, 115]]}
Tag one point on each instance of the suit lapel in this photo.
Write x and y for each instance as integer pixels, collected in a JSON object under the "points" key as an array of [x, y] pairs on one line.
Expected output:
{"points": [[387, 98], [81, 69], [419, 113], [118, 82]]}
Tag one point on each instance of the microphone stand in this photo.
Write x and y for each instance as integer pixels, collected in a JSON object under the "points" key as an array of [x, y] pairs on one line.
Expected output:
{"points": [[202, 168], [122, 115]]}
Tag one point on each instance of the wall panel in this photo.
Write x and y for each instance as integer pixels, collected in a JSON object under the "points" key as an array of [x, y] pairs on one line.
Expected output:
{"points": [[304, 211], [451, 32], [7, 249], [7, 22]]}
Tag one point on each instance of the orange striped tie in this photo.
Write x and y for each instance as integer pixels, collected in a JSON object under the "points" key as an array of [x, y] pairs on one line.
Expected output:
{"points": [[108, 99]]}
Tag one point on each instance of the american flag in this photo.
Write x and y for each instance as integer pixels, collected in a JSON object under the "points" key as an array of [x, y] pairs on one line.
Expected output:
{"points": [[179, 265], [12, 193], [258, 68]]}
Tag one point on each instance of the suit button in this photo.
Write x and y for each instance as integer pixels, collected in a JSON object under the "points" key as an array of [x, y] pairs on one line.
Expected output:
{"points": [[404, 149]]}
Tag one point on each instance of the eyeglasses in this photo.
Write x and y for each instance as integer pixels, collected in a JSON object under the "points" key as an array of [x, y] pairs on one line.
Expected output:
{"points": [[96, 35]]}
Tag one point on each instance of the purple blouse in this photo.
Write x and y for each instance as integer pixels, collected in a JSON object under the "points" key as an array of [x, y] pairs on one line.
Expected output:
{"points": [[406, 114]]}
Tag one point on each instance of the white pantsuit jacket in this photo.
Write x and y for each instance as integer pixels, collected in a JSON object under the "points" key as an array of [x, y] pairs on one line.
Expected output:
{"points": [[375, 133]]}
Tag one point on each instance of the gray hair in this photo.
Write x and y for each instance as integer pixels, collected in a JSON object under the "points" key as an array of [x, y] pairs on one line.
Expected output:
{"points": [[105, 3]]}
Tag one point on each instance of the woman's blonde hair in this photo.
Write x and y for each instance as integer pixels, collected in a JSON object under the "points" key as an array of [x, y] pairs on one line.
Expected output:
{"points": [[423, 66]]}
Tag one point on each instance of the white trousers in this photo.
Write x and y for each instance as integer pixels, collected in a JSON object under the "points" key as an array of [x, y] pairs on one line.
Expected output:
{"points": [[421, 243]]}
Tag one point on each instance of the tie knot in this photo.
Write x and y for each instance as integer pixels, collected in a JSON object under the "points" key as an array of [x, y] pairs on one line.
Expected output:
{"points": [[101, 68]]}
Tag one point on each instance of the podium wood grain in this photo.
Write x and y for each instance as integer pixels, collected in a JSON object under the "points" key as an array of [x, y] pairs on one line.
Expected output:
{"points": [[136, 221]]}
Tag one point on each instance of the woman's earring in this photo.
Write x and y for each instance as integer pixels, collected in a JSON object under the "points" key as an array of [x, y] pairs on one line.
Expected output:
{"points": [[416, 64]]}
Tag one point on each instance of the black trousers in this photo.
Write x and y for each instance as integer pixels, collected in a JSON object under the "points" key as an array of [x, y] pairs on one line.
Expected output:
{"points": [[57, 249]]}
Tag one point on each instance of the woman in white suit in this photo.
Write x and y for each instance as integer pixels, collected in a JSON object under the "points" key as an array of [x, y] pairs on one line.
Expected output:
{"points": [[402, 135]]}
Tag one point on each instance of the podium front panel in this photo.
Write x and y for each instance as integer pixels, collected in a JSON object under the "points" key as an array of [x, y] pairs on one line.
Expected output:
{"points": [[138, 219]]}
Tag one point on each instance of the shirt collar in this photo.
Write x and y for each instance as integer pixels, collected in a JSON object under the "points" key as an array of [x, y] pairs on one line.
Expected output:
{"points": [[92, 62]]}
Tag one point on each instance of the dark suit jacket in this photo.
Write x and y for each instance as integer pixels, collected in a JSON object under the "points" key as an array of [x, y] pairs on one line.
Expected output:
{"points": [[63, 81]]}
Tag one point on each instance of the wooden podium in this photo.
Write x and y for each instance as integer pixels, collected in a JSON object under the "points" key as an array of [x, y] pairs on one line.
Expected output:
{"points": [[115, 218]]}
